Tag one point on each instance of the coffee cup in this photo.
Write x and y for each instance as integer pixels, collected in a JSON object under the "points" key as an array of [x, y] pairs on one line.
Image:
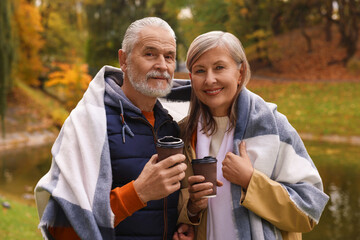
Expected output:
{"points": [[168, 146], [206, 167]]}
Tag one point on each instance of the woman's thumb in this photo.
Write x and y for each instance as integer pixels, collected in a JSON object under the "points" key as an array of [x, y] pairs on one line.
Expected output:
{"points": [[242, 149]]}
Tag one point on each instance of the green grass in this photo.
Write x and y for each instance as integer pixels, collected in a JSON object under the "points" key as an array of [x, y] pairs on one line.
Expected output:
{"points": [[19, 222], [316, 107]]}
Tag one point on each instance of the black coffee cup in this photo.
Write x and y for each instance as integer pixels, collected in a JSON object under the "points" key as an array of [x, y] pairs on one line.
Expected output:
{"points": [[168, 146], [206, 167]]}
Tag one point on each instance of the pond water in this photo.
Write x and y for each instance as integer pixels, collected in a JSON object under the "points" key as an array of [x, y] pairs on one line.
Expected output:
{"points": [[339, 166], [20, 170]]}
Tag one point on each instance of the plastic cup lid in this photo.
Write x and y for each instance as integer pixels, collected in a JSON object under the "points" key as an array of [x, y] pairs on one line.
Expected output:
{"points": [[170, 142], [207, 159]]}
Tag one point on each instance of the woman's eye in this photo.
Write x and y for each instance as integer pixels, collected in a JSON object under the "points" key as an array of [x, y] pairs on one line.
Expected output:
{"points": [[149, 54], [199, 71]]}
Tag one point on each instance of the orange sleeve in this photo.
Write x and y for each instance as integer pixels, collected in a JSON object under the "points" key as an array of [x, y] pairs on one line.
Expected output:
{"points": [[124, 201], [67, 233]]}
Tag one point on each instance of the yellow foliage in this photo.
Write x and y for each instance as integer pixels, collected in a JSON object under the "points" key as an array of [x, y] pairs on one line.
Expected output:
{"points": [[70, 75], [260, 34], [244, 12], [72, 78], [28, 25]]}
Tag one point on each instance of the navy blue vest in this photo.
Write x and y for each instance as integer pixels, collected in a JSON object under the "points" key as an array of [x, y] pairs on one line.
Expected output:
{"points": [[158, 219]]}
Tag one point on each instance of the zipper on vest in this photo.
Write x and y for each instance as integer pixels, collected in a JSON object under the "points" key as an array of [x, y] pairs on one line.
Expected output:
{"points": [[147, 123], [165, 199], [151, 126], [156, 131], [165, 219]]}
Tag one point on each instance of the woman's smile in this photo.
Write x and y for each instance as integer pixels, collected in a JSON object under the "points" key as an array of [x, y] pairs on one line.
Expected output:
{"points": [[213, 92]]}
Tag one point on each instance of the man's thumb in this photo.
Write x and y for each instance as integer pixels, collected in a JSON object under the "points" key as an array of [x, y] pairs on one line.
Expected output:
{"points": [[153, 159]]}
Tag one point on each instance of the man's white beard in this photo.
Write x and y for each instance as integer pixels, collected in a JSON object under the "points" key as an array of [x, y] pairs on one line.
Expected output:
{"points": [[142, 86]]}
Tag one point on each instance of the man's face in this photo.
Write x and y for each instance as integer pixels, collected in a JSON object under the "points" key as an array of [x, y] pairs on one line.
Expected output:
{"points": [[151, 64]]}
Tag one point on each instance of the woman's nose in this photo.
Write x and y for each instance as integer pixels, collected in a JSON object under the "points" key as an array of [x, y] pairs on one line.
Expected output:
{"points": [[210, 77]]}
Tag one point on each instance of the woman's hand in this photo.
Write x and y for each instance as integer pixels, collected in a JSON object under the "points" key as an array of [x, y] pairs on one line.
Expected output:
{"points": [[238, 169], [197, 190], [184, 232]]}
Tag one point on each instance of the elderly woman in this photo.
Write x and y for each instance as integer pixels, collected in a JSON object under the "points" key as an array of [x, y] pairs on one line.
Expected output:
{"points": [[271, 187]]}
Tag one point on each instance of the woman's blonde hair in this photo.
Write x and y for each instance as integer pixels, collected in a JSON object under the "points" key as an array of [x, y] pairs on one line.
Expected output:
{"points": [[198, 47]]}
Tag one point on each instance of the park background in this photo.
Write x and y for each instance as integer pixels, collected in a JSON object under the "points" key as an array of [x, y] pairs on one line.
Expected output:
{"points": [[304, 56]]}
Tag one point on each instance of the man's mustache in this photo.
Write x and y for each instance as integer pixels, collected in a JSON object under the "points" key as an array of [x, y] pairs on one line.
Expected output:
{"points": [[157, 74]]}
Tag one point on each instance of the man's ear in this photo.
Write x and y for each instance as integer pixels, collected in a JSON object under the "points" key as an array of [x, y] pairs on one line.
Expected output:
{"points": [[122, 59]]}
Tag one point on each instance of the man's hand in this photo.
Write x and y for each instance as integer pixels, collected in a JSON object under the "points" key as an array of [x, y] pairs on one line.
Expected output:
{"points": [[184, 232], [158, 180], [238, 169]]}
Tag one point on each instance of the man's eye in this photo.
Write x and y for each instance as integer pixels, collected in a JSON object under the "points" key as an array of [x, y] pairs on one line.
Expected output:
{"points": [[219, 67], [170, 57], [149, 54]]}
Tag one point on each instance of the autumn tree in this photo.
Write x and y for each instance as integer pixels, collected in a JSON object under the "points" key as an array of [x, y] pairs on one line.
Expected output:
{"points": [[247, 16], [70, 80], [64, 30], [64, 33], [327, 11], [107, 21], [302, 14], [197, 17], [6, 56], [209, 15], [27, 22], [349, 18], [250, 21]]}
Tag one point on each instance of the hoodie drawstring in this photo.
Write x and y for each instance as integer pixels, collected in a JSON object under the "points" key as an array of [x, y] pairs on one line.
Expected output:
{"points": [[125, 129]]}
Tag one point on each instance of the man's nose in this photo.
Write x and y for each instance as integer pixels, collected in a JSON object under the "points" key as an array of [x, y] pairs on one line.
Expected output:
{"points": [[161, 63]]}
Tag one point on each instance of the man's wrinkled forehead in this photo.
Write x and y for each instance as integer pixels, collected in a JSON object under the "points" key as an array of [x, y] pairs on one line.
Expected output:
{"points": [[155, 38]]}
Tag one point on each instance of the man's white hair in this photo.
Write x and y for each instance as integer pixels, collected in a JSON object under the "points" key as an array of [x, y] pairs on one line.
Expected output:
{"points": [[133, 30]]}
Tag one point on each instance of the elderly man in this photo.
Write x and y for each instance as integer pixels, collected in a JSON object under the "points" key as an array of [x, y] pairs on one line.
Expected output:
{"points": [[104, 181]]}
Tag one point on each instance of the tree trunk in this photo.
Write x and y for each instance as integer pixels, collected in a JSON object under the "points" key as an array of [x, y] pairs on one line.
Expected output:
{"points": [[348, 27], [6, 57], [328, 19], [307, 37]]}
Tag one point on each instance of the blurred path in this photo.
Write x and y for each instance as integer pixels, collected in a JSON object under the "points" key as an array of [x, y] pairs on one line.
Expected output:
{"points": [[353, 140], [26, 139], [255, 77]]}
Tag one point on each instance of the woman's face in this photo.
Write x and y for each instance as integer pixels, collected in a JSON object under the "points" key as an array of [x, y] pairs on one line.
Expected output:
{"points": [[215, 78]]}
